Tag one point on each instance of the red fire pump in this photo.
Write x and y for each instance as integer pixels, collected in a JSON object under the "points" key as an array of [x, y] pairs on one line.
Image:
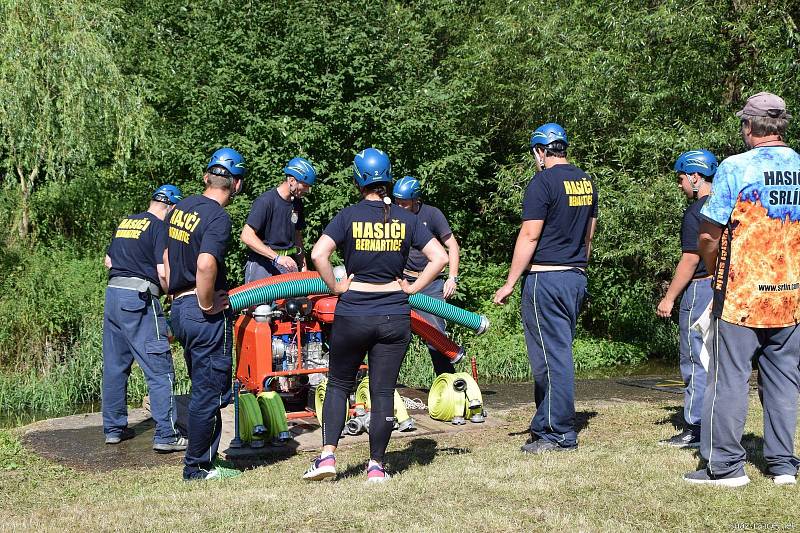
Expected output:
{"points": [[283, 347]]}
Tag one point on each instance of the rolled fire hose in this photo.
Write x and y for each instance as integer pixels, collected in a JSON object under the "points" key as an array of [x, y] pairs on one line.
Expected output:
{"points": [[319, 400], [436, 338], [455, 398], [251, 424], [274, 415], [293, 285], [404, 420]]}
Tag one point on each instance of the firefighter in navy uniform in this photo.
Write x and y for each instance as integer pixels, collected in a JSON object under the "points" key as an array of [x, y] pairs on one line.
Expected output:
{"points": [[274, 227], [373, 314], [134, 327], [406, 194], [198, 233], [559, 214], [695, 170]]}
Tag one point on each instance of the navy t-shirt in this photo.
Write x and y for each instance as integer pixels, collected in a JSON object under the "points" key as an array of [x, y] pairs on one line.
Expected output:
{"points": [[197, 225], [690, 230], [275, 220], [434, 220], [566, 199], [375, 252], [138, 247]]}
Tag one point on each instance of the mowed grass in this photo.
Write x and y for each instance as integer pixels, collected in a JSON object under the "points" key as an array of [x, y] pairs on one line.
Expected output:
{"points": [[618, 480]]}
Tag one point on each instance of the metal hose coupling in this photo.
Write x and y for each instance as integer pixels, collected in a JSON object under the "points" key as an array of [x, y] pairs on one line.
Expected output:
{"points": [[406, 425], [458, 421], [284, 436], [460, 385], [359, 423]]}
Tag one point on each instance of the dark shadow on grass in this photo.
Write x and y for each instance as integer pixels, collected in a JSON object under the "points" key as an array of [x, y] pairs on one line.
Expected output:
{"points": [[421, 451], [674, 417], [581, 422], [754, 447]]}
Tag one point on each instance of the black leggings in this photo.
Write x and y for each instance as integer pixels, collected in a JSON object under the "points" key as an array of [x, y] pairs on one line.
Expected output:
{"points": [[385, 339]]}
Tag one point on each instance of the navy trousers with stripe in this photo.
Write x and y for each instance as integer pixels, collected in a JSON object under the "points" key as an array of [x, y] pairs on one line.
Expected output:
{"points": [[134, 328], [551, 302], [695, 300], [727, 396], [207, 342]]}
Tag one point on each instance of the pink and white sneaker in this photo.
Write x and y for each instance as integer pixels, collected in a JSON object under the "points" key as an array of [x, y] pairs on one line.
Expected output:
{"points": [[376, 473], [321, 468]]}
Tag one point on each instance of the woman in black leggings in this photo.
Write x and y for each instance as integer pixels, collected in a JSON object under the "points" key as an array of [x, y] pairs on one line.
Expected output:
{"points": [[372, 314]]}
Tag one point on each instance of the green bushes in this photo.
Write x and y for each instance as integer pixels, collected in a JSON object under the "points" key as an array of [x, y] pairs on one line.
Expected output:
{"points": [[451, 90]]}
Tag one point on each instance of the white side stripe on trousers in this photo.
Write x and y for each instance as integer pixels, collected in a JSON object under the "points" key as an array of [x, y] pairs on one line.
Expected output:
{"points": [[714, 398], [544, 350], [689, 341]]}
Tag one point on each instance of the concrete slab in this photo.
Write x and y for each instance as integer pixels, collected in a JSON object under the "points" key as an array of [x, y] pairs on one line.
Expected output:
{"points": [[77, 441]]}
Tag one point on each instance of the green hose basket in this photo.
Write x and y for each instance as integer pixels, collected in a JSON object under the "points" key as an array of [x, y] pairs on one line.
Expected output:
{"points": [[274, 415], [319, 401], [446, 402], [362, 396]]}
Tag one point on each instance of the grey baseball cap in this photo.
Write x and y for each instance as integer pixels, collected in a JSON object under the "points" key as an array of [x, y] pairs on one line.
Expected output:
{"points": [[765, 104]]}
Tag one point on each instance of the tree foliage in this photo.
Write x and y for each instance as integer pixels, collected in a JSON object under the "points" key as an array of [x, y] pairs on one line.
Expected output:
{"points": [[450, 89], [64, 105]]}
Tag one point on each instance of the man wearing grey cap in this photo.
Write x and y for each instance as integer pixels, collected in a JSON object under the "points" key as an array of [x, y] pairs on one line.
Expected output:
{"points": [[751, 235]]}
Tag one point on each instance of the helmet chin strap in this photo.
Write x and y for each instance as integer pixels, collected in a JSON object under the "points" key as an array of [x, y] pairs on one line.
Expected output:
{"points": [[234, 190], [695, 187], [539, 160]]}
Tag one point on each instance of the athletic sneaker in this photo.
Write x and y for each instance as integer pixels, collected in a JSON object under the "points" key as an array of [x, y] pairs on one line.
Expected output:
{"points": [[544, 446], [321, 468], [376, 474], [704, 478], [685, 439], [177, 445], [116, 438], [784, 479], [209, 475]]}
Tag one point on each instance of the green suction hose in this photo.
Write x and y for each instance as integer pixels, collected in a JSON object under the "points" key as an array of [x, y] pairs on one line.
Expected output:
{"points": [[423, 302], [251, 424], [455, 398], [319, 400], [304, 287], [277, 291], [274, 415]]}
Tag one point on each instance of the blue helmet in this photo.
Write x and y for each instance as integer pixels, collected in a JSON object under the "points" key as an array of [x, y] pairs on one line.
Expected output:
{"points": [[168, 194], [371, 166], [406, 188], [700, 161], [302, 170], [549, 133], [227, 162]]}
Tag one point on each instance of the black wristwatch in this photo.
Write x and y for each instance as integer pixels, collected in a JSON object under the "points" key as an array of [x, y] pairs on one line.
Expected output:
{"points": [[454, 278]]}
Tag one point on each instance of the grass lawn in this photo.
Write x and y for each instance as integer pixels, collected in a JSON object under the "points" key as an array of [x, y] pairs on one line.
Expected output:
{"points": [[618, 480]]}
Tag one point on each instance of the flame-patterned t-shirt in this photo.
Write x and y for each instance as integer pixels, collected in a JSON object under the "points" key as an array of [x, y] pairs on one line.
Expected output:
{"points": [[756, 197]]}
